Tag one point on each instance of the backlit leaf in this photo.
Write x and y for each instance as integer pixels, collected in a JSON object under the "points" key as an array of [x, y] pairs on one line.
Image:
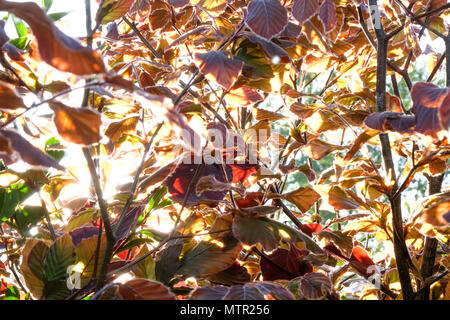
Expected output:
{"points": [[217, 67], [266, 18], [76, 125], [302, 10], [57, 49]]}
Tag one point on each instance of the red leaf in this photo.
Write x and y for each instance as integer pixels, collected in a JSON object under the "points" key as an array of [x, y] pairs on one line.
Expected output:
{"points": [[327, 15], [242, 172], [360, 260], [266, 18], [178, 183], [216, 66], [311, 228], [57, 49], [252, 199], [285, 264], [303, 10]]}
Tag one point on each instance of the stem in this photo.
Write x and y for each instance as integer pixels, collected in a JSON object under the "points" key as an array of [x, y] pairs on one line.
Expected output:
{"points": [[401, 251]]}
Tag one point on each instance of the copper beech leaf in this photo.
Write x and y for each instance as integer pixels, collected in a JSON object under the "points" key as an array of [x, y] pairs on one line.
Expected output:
{"points": [[117, 129], [285, 264], [216, 66], [327, 14], [26, 151], [143, 289], [315, 286], [317, 148], [266, 18], [55, 48], [249, 291], [76, 125], [110, 10], [269, 233], [274, 52], [429, 103], [303, 10], [304, 198], [215, 253], [243, 96], [236, 274], [33, 254], [9, 99]]}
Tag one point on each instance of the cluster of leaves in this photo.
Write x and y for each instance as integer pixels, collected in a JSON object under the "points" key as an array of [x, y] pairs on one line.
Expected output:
{"points": [[106, 202]]}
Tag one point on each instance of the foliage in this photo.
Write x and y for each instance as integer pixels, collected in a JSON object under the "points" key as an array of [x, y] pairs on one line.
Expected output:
{"points": [[225, 150]]}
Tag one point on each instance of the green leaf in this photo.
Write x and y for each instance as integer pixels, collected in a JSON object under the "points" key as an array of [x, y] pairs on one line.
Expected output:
{"points": [[47, 4], [58, 15], [36, 259], [58, 258], [53, 152], [28, 217], [20, 27], [11, 197], [19, 43], [12, 293]]}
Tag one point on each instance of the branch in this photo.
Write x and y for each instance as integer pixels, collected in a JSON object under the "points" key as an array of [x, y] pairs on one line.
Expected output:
{"points": [[402, 257], [139, 34], [136, 178]]}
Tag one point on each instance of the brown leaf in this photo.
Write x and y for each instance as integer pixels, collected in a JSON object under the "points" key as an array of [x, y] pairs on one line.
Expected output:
{"points": [[80, 126], [327, 14], [117, 129], [340, 240], [303, 198], [243, 96], [266, 18], [315, 286], [27, 152], [57, 49], [317, 148], [438, 214], [9, 100], [282, 264], [216, 66], [359, 142], [340, 200], [302, 10], [143, 289]]}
